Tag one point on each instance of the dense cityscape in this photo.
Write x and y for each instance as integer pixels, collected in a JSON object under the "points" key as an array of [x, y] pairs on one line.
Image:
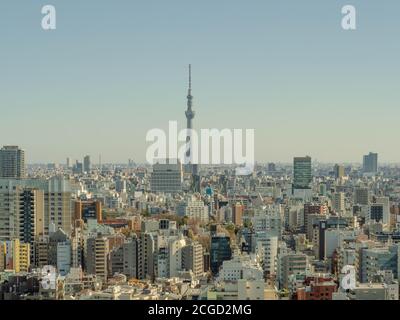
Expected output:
{"points": [[168, 231]]}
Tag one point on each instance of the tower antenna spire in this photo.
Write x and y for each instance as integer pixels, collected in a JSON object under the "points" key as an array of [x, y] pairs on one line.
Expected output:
{"points": [[190, 78]]}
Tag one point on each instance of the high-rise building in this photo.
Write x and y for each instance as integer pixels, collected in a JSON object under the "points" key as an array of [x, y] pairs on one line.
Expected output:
{"points": [[267, 248], [361, 196], [87, 166], [77, 168], [130, 258], [167, 177], [57, 200], [370, 163], [339, 171], [17, 256], [237, 214], [192, 258], [2, 256], [21, 213], [302, 172], [271, 167], [68, 163], [58, 205], [97, 251], [116, 261], [12, 162], [379, 211], [41, 252], [339, 202], [175, 248], [219, 252], [146, 250]]}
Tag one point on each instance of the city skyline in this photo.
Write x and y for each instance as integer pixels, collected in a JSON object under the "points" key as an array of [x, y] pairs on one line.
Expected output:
{"points": [[97, 84]]}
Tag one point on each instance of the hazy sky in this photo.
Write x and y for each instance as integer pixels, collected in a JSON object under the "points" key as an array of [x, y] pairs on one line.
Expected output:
{"points": [[112, 70]]}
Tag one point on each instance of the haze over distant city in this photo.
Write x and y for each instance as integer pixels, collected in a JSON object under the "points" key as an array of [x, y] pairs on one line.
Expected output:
{"points": [[111, 72]]}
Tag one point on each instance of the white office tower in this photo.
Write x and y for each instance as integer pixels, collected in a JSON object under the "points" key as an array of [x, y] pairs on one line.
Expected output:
{"points": [[12, 162], [267, 249], [167, 177], [241, 267]]}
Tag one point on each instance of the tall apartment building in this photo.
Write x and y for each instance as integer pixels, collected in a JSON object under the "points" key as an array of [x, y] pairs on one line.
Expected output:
{"points": [[312, 209], [146, 250], [12, 162], [41, 252], [21, 213], [192, 258], [17, 256], [267, 248], [58, 205], [97, 256], [57, 209]]}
